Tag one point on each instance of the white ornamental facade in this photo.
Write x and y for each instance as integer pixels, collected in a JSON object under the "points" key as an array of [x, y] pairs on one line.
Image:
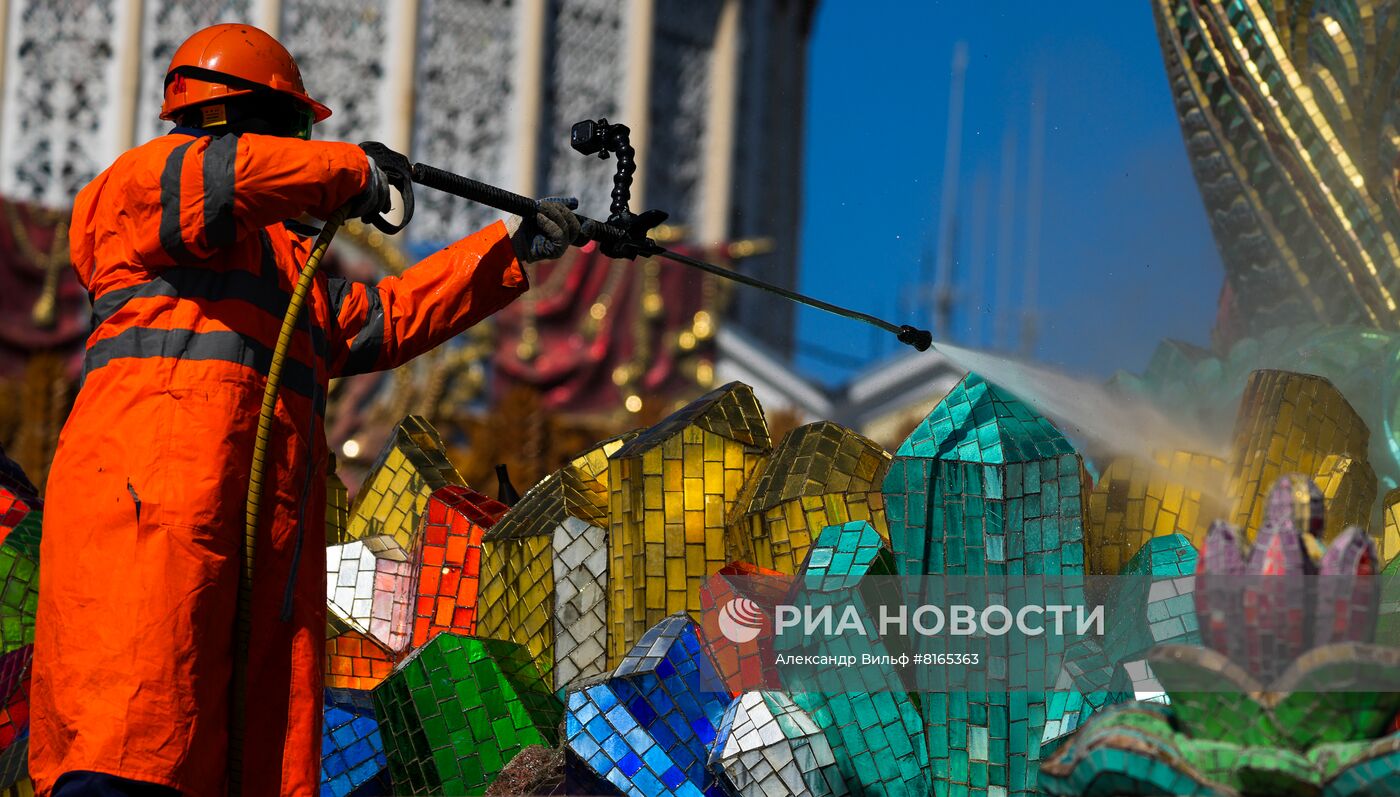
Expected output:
{"points": [[712, 90]]}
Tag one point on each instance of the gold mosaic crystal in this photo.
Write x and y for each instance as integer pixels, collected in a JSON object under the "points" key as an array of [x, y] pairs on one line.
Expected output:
{"points": [[1349, 487], [409, 468], [545, 570], [337, 510], [1287, 424], [670, 490], [1390, 522], [1293, 423], [1135, 501], [820, 475]]}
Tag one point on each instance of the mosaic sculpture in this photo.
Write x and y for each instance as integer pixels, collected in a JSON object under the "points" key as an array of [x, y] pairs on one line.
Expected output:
{"points": [[457, 709], [740, 587], [337, 510], [821, 474], [1286, 423], [1285, 107], [356, 661], [21, 523], [876, 734], [647, 728], [21, 514], [1295, 423], [21, 520], [352, 751], [1150, 604], [410, 466], [448, 561], [1264, 706], [670, 489], [369, 586], [768, 747], [585, 583], [19, 598], [1201, 390], [1133, 502], [546, 570], [986, 487]]}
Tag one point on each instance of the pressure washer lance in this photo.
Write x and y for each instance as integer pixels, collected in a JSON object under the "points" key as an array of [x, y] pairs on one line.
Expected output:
{"points": [[624, 235], [629, 244]]}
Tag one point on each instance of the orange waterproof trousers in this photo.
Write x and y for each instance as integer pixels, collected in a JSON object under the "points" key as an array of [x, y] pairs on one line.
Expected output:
{"points": [[182, 248]]}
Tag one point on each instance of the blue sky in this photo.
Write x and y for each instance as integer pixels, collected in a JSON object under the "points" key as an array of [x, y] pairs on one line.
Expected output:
{"points": [[1126, 253]]}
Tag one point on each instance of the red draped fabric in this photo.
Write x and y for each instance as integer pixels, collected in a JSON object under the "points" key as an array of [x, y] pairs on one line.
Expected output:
{"points": [[27, 239], [573, 354]]}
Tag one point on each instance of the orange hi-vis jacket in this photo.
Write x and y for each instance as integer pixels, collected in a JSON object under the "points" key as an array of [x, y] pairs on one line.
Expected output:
{"points": [[182, 247]]}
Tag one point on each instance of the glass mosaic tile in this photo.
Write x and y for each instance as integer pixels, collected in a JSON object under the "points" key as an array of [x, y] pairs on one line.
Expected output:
{"points": [[821, 474], [546, 569], [1293, 423], [768, 747], [670, 489], [877, 735], [985, 486], [370, 586], [647, 728], [19, 598], [356, 661], [1132, 502], [392, 499], [337, 511], [352, 751], [447, 561], [457, 709]]}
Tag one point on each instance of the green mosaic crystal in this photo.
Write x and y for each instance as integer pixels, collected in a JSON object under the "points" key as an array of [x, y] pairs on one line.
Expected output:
{"points": [[875, 735], [19, 598], [985, 486], [454, 713]]}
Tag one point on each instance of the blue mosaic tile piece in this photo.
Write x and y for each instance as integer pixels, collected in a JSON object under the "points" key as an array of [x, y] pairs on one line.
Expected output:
{"points": [[353, 763], [647, 728]]}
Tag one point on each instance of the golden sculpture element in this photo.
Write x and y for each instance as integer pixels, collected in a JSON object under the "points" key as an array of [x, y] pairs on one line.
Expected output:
{"points": [[1287, 110], [1134, 501], [1349, 488], [1390, 523], [1292, 423], [409, 468], [337, 510], [1287, 424], [669, 491], [820, 475], [544, 569]]}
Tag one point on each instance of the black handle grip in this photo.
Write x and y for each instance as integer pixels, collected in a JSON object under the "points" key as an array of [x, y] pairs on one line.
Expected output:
{"points": [[509, 201], [475, 190]]}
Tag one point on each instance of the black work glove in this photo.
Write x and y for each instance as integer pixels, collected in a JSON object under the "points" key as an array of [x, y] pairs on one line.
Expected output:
{"points": [[549, 233], [388, 170]]}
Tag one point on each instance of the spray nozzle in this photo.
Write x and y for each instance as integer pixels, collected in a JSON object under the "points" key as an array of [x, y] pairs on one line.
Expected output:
{"points": [[920, 339]]}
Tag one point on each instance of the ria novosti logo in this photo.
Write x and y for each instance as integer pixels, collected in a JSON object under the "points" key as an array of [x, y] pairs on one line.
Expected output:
{"points": [[740, 620]]}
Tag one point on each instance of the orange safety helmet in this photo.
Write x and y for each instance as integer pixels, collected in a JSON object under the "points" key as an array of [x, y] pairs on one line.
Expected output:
{"points": [[230, 60]]}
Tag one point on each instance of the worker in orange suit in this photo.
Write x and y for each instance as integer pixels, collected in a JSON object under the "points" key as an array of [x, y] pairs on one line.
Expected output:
{"points": [[183, 248]]}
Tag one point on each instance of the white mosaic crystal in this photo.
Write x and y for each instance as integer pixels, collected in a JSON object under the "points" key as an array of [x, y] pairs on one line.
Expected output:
{"points": [[369, 586], [580, 601], [768, 747]]}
